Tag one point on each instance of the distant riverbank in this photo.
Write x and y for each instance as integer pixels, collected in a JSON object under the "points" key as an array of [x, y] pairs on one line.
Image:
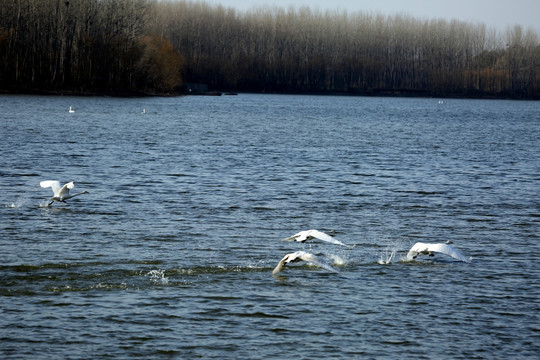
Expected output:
{"points": [[373, 93], [149, 48]]}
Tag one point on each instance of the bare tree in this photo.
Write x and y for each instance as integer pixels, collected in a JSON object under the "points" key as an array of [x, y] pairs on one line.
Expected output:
{"points": [[126, 45]]}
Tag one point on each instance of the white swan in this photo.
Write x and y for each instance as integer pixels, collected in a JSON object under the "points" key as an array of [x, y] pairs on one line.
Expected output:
{"points": [[306, 235], [430, 249], [61, 194], [302, 256], [71, 110], [143, 111]]}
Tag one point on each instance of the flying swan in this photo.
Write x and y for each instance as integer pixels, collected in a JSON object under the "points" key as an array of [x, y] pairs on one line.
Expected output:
{"points": [[61, 194], [306, 235], [302, 256], [430, 249]]}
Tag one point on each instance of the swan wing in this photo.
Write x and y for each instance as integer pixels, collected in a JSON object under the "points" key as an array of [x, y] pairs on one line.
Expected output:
{"points": [[302, 256], [55, 185], [292, 257], [416, 249], [411, 255], [310, 258], [300, 236], [324, 237], [64, 191], [423, 248], [448, 250]]}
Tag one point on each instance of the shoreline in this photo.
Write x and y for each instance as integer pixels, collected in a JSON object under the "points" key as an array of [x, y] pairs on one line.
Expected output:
{"points": [[397, 93]]}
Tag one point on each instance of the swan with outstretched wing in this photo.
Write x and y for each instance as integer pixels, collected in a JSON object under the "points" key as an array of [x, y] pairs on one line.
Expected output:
{"points": [[61, 193], [307, 235], [431, 249], [302, 256]]}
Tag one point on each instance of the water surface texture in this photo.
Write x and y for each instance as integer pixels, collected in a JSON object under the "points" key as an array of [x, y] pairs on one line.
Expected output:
{"points": [[170, 255]]}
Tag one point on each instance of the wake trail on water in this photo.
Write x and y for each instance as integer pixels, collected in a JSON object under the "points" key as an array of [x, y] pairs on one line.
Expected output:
{"points": [[22, 202], [19, 203]]}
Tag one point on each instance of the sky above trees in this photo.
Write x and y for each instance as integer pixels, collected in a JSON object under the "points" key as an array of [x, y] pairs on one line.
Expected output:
{"points": [[498, 14]]}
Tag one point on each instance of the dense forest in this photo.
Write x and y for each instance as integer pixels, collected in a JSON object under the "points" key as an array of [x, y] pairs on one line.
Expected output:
{"points": [[156, 47]]}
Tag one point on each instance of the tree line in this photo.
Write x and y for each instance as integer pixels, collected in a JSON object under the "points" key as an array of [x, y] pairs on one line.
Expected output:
{"points": [[150, 46], [85, 46]]}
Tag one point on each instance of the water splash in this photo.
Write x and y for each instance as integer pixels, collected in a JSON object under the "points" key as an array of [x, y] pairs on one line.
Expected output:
{"points": [[158, 277], [121, 286], [16, 204], [337, 260], [387, 257]]}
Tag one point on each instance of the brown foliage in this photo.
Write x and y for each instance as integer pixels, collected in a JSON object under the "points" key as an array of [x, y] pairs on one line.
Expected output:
{"points": [[160, 65]]}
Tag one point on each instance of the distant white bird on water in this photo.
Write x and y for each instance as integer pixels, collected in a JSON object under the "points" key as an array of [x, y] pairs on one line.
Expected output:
{"points": [[71, 110], [61, 194], [306, 235], [302, 256], [143, 111], [430, 249]]}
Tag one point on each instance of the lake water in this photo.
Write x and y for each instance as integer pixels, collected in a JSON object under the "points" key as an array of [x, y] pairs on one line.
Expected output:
{"points": [[170, 255]]}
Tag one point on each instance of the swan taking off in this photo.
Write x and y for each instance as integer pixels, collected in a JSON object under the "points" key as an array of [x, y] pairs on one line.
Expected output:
{"points": [[302, 256], [430, 249], [61, 194], [306, 235]]}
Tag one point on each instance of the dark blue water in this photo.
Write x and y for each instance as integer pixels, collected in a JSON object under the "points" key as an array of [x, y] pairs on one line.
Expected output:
{"points": [[170, 255]]}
